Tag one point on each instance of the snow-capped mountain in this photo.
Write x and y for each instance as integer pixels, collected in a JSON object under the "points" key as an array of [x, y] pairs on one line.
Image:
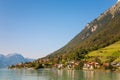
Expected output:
{"points": [[12, 59]]}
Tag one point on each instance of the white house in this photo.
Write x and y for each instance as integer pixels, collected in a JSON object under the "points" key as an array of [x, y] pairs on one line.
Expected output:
{"points": [[118, 0]]}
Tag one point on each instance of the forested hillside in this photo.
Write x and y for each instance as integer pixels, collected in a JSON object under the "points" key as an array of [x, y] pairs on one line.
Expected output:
{"points": [[99, 33]]}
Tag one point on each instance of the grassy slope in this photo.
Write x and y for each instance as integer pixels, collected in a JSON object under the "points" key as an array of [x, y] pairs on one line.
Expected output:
{"points": [[104, 53]]}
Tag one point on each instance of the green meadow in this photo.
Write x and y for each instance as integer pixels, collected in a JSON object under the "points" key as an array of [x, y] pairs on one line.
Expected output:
{"points": [[108, 54]]}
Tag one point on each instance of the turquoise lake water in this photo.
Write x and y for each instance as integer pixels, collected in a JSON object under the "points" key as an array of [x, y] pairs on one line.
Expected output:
{"points": [[6, 74]]}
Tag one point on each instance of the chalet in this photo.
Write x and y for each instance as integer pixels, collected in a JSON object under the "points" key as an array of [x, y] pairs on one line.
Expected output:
{"points": [[91, 66]]}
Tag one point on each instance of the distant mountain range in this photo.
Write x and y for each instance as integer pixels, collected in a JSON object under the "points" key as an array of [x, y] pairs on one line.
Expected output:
{"points": [[12, 59]]}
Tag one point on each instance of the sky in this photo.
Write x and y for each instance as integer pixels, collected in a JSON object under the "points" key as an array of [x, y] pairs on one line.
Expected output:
{"points": [[36, 28]]}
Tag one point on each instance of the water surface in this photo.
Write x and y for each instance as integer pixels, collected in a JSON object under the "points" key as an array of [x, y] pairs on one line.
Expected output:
{"points": [[42, 74]]}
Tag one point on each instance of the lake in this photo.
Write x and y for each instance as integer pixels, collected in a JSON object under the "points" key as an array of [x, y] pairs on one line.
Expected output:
{"points": [[42, 74]]}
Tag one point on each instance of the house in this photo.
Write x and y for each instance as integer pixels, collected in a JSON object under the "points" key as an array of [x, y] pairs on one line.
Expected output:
{"points": [[91, 66], [60, 66]]}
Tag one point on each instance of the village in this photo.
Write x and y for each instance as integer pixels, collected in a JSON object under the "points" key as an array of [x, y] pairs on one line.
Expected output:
{"points": [[70, 65]]}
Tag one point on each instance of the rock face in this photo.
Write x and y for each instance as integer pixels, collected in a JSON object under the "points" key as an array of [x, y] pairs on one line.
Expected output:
{"points": [[12, 59]]}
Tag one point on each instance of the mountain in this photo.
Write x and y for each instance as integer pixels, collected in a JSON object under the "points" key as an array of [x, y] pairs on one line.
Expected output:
{"points": [[2, 58], [98, 42], [12, 59], [99, 33]]}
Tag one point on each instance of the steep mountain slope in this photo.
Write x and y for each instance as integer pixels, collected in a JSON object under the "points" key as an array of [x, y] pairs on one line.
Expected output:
{"points": [[101, 32], [12, 59]]}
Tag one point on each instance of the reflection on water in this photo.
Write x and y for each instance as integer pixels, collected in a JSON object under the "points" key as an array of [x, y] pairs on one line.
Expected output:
{"points": [[89, 75], [51, 74], [100, 75]]}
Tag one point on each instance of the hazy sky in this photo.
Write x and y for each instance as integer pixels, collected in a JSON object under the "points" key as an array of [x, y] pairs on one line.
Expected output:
{"points": [[35, 28]]}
